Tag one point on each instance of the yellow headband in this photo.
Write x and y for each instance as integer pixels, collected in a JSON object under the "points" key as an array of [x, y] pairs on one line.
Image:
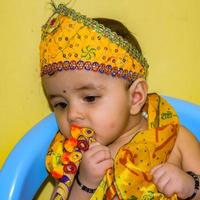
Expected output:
{"points": [[71, 41]]}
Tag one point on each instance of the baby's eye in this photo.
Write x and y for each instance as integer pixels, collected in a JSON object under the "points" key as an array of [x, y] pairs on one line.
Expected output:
{"points": [[90, 98], [60, 105]]}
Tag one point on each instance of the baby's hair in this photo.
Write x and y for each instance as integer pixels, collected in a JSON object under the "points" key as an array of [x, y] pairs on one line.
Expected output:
{"points": [[121, 30]]}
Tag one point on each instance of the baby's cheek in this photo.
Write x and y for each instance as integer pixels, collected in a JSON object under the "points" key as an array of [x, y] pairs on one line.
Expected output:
{"points": [[64, 128], [112, 125], [109, 130]]}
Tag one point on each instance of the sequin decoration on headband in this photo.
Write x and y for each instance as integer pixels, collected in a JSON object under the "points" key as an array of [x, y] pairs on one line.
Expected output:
{"points": [[71, 41]]}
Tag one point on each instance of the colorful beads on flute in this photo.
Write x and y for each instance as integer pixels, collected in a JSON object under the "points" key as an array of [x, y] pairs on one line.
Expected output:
{"points": [[64, 156]]}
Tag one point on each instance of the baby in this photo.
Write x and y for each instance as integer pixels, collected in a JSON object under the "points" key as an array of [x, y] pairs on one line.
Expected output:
{"points": [[94, 76]]}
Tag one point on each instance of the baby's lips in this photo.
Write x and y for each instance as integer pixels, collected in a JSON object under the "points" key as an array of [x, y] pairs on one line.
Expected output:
{"points": [[75, 131], [74, 126]]}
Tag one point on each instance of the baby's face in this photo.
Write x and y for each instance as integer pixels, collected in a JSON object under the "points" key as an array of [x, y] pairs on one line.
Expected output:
{"points": [[89, 99]]}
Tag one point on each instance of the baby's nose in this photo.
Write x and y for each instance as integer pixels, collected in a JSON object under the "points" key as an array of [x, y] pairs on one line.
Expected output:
{"points": [[75, 114]]}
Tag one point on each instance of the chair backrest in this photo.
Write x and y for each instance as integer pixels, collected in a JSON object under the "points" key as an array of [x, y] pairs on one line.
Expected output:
{"points": [[189, 114], [24, 170]]}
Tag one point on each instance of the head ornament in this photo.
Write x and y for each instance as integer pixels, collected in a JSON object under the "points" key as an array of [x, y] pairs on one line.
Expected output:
{"points": [[72, 41]]}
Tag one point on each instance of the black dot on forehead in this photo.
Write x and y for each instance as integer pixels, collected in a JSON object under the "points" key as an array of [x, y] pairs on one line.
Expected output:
{"points": [[64, 91]]}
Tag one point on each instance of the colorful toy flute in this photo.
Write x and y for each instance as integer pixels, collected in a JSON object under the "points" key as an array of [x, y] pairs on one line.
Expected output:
{"points": [[64, 156]]}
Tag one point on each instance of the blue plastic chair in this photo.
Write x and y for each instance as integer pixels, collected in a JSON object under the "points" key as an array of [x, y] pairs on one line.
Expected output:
{"points": [[24, 170]]}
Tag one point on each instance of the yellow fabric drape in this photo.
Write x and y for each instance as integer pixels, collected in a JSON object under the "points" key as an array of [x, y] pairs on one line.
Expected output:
{"points": [[130, 178]]}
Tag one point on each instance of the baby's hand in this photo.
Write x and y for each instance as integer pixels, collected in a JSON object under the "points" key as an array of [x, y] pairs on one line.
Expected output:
{"points": [[170, 180], [96, 160]]}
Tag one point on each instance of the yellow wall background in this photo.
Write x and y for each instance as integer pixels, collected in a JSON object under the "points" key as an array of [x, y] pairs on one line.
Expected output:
{"points": [[168, 31]]}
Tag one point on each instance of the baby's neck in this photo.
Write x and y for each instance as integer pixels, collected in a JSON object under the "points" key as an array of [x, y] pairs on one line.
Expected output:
{"points": [[127, 136]]}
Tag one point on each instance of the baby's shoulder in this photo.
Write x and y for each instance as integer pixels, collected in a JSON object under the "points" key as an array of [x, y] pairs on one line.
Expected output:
{"points": [[187, 149], [186, 138]]}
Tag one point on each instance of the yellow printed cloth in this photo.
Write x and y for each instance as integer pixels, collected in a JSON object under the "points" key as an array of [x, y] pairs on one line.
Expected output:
{"points": [[130, 178]]}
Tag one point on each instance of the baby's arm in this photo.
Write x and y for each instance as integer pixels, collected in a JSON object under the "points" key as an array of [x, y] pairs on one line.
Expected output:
{"points": [[96, 160], [171, 177]]}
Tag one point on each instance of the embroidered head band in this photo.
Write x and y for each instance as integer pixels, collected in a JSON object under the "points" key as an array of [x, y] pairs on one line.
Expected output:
{"points": [[71, 41]]}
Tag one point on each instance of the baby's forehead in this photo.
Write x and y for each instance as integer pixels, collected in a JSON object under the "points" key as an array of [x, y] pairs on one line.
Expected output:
{"points": [[82, 80]]}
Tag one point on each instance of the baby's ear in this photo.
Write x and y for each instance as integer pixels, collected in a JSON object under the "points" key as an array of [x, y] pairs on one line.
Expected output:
{"points": [[138, 94]]}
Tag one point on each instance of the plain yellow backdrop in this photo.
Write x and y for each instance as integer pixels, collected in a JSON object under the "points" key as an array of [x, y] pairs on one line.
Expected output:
{"points": [[168, 31]]}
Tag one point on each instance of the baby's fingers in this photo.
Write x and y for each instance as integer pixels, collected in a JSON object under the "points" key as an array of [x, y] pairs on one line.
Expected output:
{"points": [[156, 169], [94, 144], [162, 184], [158, 173], [96, 147], [106, 164], [101, 156]]}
